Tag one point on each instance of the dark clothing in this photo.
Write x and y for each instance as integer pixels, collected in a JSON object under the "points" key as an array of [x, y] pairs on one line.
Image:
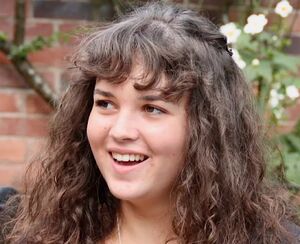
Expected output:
{"points": [[294, 230], [6, 192]]}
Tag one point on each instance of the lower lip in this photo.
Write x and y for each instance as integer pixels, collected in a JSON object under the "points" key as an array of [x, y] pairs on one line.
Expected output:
{"points": [[123, 169]]}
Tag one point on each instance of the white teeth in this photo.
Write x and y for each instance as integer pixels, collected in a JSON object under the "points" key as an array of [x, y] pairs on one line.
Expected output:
{"points": [[125, 157], [128, 157], [118, 157]]}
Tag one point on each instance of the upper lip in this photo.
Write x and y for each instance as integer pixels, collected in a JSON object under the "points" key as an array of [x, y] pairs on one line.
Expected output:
{"points": [[126, 151]]}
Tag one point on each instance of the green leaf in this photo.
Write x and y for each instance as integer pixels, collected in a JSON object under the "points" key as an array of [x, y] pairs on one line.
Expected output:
{"points": [[291, 81], [36, 44], [292, 163], [251, 73], [294, 142], [263, 70], [3, 36], [265, 37], [286, 61], [245, 42]]}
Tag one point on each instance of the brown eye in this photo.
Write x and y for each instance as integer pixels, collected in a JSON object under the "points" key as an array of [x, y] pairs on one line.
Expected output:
{"points": [[153, 110], [104, 104]]}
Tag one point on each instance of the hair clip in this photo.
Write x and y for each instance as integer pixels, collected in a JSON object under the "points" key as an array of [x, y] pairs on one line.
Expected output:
{"points": [[229, 50], [224, 44]]}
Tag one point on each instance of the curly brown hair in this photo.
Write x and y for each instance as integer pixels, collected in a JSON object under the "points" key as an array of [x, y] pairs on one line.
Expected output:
{"points": [[220, 195]]}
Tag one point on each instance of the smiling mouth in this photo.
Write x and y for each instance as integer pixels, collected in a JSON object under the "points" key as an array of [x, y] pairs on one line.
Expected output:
{"points": [[128, 159]]}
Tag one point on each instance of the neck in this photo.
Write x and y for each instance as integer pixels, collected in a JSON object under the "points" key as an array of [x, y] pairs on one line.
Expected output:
{"points": [[147, 223]]}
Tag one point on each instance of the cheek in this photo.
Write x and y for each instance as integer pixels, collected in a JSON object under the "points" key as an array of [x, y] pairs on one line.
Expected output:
{"points": [[96, 130], [169, 140]]}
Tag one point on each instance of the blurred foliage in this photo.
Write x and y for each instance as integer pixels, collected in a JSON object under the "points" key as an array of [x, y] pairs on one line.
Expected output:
{"points": [[21, 51], [260, 43], [290, 147]]}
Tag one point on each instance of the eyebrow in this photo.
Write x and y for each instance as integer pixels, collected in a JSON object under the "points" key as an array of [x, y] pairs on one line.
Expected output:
{"points": [[149, 98], [103, 93]]}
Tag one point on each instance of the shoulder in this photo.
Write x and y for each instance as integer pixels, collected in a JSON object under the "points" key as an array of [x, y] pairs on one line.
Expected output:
{"points": [[294, 230], [5, 194], [8, 209], [6, 212]]}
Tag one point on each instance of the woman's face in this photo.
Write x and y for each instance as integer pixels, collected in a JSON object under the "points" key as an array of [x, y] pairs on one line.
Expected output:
{"points": [[137, 139]]}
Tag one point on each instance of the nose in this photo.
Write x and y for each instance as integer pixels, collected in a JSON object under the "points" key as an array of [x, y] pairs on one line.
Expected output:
{"points": [[124, 127]]}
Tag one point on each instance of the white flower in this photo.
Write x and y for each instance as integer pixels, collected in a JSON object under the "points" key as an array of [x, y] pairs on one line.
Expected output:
{"points": [[238, 60], [231, 32], [283, 8], [275, 97], [255, 62], [278, 113], [292, 91], [273, 101], [255, 24]]}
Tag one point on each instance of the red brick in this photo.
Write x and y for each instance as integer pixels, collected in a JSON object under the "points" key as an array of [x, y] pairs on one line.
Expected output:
{"points": [[7, 26], [9, 77], [72, 32], [38, 29], [214, 3], [7, 8], [49, 77], [296, 25], [4, 59], [266, 3], [8, 102], [290, 21], [34, 147], [12, 175], [235, 13], [35, 104], [12, 150], [295, 3], [294, 112], [286, 127], [35, 127], [28, 8], [69, 27], [54, 56]]}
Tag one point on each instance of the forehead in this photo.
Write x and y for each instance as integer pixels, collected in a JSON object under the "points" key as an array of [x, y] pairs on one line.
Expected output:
{"points": [[140, 79], [146, 79]]}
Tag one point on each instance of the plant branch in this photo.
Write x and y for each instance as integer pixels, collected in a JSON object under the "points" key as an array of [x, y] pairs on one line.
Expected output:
{"points": [[23, 65], [25, 68]]}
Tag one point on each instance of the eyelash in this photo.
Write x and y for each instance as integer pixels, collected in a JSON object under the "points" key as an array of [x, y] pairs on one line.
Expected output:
{"points": [[161, 111], [100, 103]]}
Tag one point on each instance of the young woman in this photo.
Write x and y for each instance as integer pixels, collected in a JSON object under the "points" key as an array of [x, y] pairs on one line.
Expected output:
{"points": [[155, 141]]}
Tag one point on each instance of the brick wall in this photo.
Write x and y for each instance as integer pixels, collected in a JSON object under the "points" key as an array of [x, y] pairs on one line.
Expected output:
{"points": [[23, 114]]}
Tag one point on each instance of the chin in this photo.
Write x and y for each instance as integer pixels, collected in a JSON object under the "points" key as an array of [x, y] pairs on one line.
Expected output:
{"points": [[127, 193]]}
